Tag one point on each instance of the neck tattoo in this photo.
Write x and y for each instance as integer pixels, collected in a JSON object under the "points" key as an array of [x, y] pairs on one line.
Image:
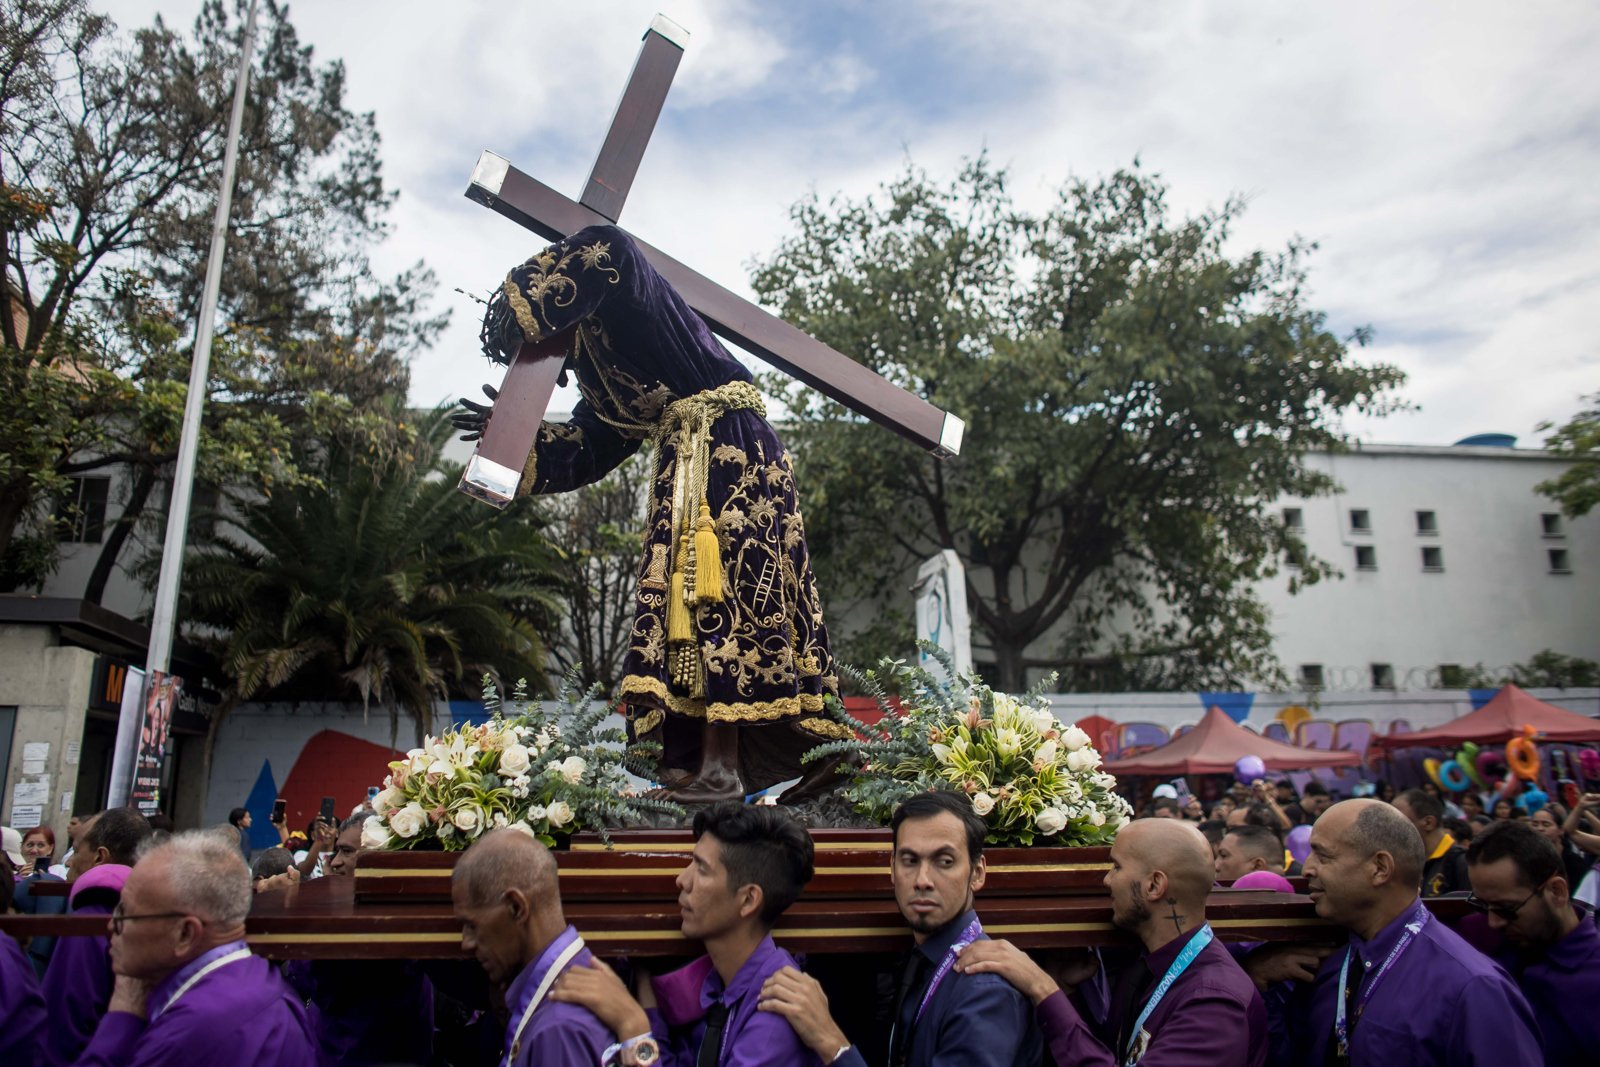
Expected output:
{"points": [[1177, 920]]}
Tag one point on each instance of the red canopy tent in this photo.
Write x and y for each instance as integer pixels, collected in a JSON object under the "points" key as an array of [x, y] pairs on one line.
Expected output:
{"points": [[1499, 721], [1217, 743]]}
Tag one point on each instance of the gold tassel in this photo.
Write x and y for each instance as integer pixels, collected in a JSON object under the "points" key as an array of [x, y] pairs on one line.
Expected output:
{"points": [[707, 560], [679, 625]]}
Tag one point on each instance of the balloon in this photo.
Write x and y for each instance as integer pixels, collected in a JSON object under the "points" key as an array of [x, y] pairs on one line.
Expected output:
{"points": [[1453, 777], [1522, 756], [1250, 769], [1589, 764], [1533, 799], [1467, 756], [1492, 768], [1299, 843], [1431, 766]]}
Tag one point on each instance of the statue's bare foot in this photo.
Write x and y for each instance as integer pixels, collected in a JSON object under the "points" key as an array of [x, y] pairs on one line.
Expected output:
{"points": [[713, 783], [822, 778]]}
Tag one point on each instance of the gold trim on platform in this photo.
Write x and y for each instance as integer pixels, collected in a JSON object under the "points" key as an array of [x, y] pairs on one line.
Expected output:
{"points": [[353, 939]]}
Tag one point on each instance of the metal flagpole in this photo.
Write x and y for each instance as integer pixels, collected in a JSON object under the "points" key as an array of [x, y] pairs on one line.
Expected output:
{"points": [[162, 623]]}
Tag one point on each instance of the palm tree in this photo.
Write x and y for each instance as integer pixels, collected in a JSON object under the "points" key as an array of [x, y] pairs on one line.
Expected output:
{"points": [[384, 583]]}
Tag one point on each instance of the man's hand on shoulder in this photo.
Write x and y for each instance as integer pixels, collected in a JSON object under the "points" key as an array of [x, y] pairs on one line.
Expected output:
{"points": [[802, 1003]]}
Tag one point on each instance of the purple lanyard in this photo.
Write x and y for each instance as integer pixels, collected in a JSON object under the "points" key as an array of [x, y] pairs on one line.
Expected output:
{"points": [[973, 931], [1341, 1027]]}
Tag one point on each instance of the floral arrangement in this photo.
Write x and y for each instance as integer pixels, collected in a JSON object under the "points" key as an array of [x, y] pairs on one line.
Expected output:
{"points": [[1033, 780], [543, 772]]}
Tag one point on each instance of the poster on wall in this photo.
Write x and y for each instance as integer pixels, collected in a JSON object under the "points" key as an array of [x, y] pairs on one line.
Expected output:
{"points": [[161, 698]]}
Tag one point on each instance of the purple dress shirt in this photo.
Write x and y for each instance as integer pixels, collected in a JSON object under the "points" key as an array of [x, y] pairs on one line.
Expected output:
{"points": [[751, 1038], [77, 984], [242, 1014], [558, 1034], [1562, 985], [1442, 1002], [971, 1020], [1211, 1015], [366, 1011], [21, 1006]]}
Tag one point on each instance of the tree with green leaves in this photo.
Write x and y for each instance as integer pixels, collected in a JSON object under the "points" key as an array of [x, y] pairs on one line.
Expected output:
{"points": [[1576, 489], [1136, 396], [382, 583], [110, 156]]}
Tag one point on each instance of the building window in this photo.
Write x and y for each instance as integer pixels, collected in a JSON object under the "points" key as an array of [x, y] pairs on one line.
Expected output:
{"points": [[82, 514], [1382, 676], [1427, 524], [1452, 676], [1550, 522], [1310, 676], [1366, 558], [1432, 558], [1360, 520], [1560, 563], [1294, 518]]}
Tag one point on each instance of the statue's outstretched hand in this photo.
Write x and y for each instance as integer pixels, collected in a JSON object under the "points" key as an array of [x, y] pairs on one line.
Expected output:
{"points": [[476, 416]]}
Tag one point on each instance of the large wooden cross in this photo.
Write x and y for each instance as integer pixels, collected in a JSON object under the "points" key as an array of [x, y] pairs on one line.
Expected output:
{"points": [[496, 466]]}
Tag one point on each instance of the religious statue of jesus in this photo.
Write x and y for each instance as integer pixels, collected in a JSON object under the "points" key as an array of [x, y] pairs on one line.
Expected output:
{"points": [[728, 662]]}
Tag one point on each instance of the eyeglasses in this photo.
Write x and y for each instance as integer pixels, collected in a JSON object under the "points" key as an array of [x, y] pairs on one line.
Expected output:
{"points": [[118, 917], [1506, 912]]}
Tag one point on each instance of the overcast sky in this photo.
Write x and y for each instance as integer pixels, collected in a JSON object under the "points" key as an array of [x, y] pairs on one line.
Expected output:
{"points": [[1444, 156]]}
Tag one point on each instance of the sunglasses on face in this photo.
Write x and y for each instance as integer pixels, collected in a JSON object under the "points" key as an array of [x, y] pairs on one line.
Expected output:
{"points": [[1506, 912]]}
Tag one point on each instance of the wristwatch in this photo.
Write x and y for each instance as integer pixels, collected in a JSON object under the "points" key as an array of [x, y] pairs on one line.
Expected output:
{"points": [[640, 1052]]}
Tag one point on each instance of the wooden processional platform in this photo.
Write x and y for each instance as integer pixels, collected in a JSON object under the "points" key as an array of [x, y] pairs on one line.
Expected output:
{"points": [[624, 901]]}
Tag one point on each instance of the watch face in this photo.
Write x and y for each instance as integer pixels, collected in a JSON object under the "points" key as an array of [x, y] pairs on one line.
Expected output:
{"points": [[646, 1052]]}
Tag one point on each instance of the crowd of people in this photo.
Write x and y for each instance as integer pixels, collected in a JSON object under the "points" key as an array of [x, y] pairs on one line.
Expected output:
{"points": [[1512, 983]]}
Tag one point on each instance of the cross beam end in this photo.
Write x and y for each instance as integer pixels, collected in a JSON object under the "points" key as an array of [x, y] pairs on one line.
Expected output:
{"points": [[670, 30]]}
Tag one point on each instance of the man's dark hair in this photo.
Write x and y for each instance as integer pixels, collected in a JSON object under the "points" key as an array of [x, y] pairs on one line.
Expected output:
{"points": [[937, 802], [1260, 841], [236, 814], [357, 820], [1214, 830], [271, 863], [1262, 816], [1460, 829], [1423, 805], [761, 845], [1165, 804], [1534, 856], [161, 823], [120, 831], [1315, 789]]}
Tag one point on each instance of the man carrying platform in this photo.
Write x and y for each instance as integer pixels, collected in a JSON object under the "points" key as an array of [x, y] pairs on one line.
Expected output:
{"points": [[942, 1013], [1185, 1001], [749, 864], [188, 988], [505, 894]]}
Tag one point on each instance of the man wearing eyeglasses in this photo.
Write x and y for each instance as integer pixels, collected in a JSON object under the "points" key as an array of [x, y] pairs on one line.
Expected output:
{"points": [[1550, 945], [1406, 989], [188, 989]]}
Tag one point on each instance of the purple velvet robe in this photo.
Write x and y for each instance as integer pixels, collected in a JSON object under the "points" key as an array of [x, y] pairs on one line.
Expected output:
{"points": [[22, 1018], [751, 1038], [77, 984], [241, 1014], [558, 1035], [762, 653]]}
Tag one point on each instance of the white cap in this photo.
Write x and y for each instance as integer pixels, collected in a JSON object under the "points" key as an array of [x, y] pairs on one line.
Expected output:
{"points": [[1166, 791], [12, 844]]}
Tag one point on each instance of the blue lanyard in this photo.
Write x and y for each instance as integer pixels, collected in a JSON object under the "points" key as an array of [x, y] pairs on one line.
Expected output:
{"points": [[1341, 1027], [1196, 945]]}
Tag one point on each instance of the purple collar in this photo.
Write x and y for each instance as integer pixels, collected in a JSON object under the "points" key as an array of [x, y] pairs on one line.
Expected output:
{"points": [[1377, 950], [1163, 957], [161, 995], [749, 978], [523, 986], [1580, 949]]}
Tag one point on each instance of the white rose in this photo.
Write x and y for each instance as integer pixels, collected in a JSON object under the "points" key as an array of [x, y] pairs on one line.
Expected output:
{"points": [[982, 803], [559, 813], [1097, 818], [523, 828], [387, 800], [513, 761], [1050, 821], [1084, 759], [373, 833], [1043, 719], [1045, 754], [1074, 738], [572, 769], [409, 820], [467, 819]]}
